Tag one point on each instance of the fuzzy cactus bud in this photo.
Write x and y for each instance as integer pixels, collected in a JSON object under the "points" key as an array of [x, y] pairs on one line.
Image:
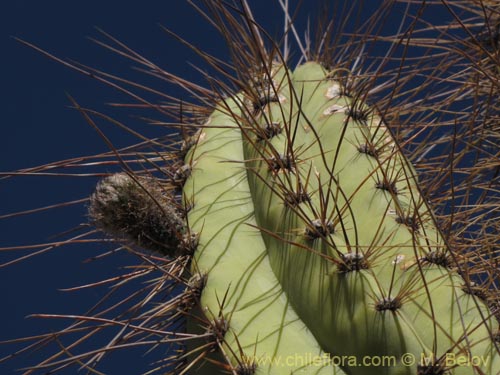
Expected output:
{"points": [[140, 211]]}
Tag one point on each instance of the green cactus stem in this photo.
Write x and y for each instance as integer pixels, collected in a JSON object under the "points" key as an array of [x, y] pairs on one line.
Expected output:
{"points": [[331, 213], [356, 249], [361, 259], [261, 327]]}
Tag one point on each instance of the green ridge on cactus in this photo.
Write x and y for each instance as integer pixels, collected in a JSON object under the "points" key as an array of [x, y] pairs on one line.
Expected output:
{"points": [[356, 256], [232, 253]]}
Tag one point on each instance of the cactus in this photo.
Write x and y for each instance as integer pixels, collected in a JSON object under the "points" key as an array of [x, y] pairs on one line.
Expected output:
{"points": [[318, 217]]}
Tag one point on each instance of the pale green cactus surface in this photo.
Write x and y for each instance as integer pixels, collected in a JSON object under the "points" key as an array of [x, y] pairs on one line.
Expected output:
{"points": [[311, 185]]}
